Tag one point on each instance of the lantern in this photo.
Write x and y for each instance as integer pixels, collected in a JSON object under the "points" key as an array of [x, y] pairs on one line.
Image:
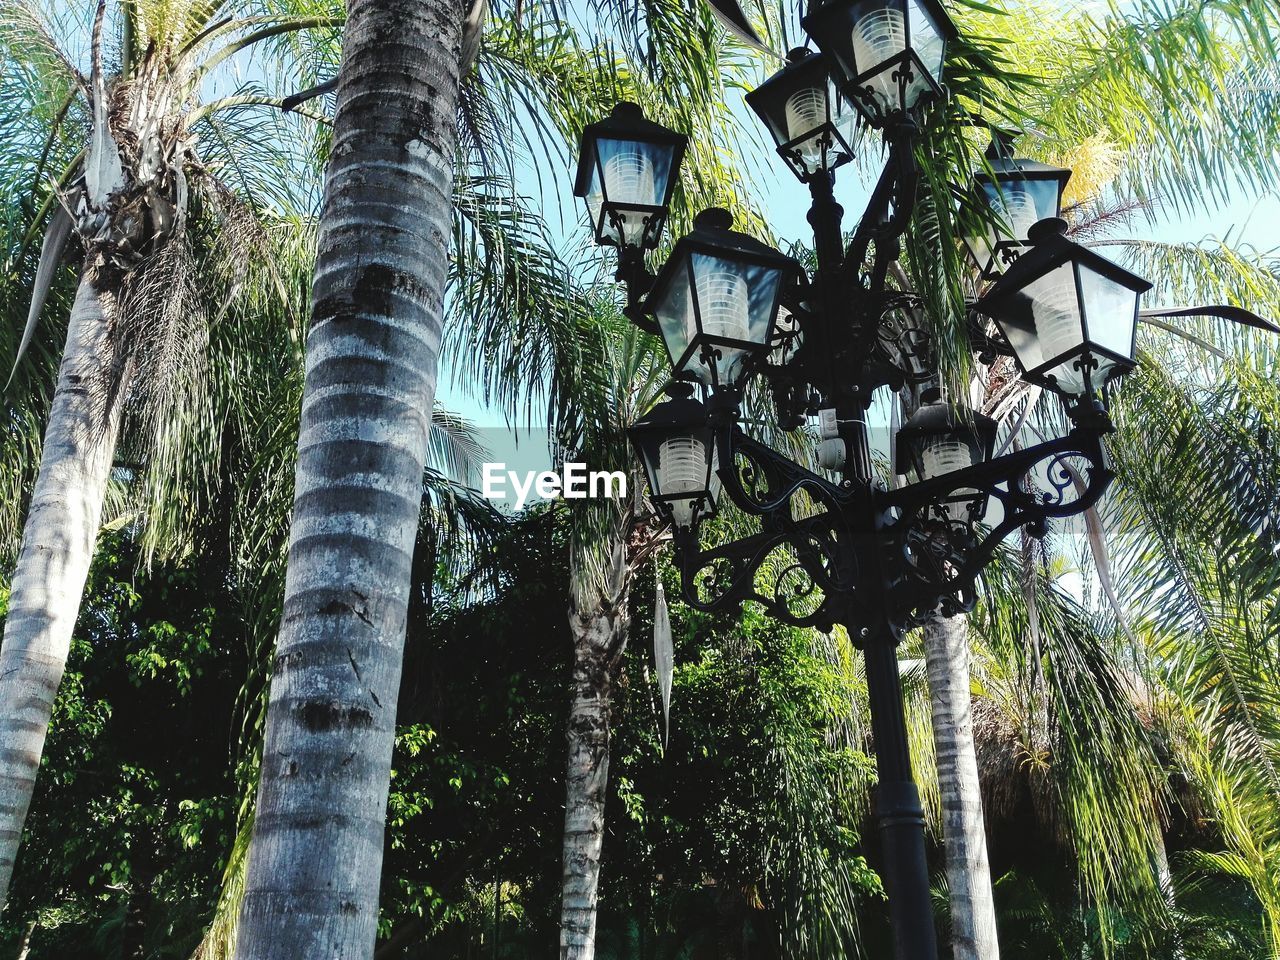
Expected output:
{"points": [[677, 449], [888, 53], [806, 117], [1013, 195], [1069, 315], [716, 300], [937, 440], [627, 170]]}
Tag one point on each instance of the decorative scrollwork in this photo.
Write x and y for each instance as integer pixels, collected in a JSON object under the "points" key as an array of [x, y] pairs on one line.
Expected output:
{"points": [[753, 478], [826, 553], [801, 566], [907, 349], [936, 547], [1064, 475], [789, 585], [941, 549], [761, 481], [790, 580]]}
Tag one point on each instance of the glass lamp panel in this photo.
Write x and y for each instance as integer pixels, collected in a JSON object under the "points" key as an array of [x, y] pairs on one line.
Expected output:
{"points": [[793, 106], [735, 306], [648, 450], [925, 39], [1111, 312], [1016, 204], [806, 115], [942, 455], [630, 178], [686, 465], [1042, 324], [879, 35], [981, 249], [1044, 192], [679, 461], [823, 148], [1018, 198], [1014, 207], [682, 466], [676, 320]]}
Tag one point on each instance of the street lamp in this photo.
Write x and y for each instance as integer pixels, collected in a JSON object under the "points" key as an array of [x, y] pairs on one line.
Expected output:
{"points": [[716, 300], [806, 116], [678, 453], [1011, 195], [857, 553], [627, 169], [1069, 316], [888, 53]]}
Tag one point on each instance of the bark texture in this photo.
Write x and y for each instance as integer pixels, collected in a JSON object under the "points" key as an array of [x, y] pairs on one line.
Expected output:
{"points": [[973, 917], [599, 635], [372, 348], [57, 546]]}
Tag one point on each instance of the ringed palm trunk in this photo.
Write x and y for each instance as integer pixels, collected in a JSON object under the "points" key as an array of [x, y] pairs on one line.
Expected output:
{"points": [[599, 635], [973, 917], [57, 546], [316, 854]]}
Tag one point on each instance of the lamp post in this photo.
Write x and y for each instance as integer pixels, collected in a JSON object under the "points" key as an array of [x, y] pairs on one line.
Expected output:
{"points": [[840, 546]]}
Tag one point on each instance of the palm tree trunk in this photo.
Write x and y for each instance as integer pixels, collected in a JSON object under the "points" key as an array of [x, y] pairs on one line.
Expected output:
{"points": [[316, 855], [24, 945], [1164, 875], [973, 917], [598, 637], [57, 547]]}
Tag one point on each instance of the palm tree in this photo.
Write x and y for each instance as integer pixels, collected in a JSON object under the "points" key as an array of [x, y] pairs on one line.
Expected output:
{"points": [[503, 270], [567, 347], [372, 350], [973, 925], [127, 194], [1196, 570], [611, 542]]}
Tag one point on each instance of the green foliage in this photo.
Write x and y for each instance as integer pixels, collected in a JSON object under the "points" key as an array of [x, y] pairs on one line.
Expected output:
{"points": [[136, 802], [764, 777], [1195, 524]]}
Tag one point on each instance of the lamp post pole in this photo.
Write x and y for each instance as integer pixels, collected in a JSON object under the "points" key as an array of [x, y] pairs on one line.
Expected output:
{"points": [[897, 804], [899, 812]]}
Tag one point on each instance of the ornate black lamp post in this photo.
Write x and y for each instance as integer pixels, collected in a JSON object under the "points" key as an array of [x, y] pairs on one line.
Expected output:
{"points": [[840, 546]]}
